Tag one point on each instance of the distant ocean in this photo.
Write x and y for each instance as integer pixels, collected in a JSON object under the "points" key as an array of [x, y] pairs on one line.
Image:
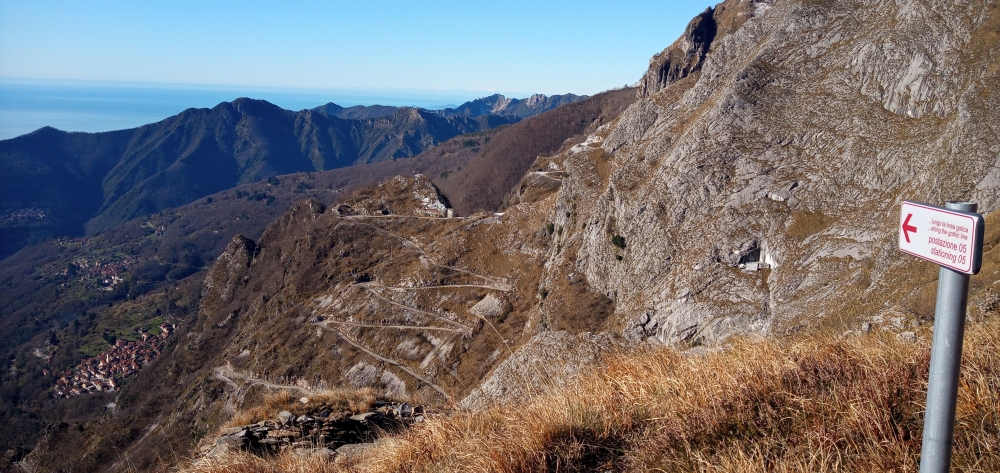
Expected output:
{"points": [[27, 105]]}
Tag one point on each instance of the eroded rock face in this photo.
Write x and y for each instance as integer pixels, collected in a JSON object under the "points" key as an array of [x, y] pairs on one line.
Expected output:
{"points": [[687, 55], [549, 359], [682, 58], [228, 272], [410, 196], [805, 129]]}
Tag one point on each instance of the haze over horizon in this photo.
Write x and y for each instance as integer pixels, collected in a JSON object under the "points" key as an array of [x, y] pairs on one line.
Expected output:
{"points": [[514, 48]]}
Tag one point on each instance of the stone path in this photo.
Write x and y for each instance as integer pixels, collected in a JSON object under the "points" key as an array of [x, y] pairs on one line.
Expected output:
{"points": [[443, 286], [546, 174], [400, 327], [496, 284]]}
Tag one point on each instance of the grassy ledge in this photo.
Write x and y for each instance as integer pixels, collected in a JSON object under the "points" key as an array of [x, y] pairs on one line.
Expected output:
{"points": [[812, 404]]}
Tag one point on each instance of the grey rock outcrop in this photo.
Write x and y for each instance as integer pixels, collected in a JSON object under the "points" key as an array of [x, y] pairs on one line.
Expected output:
{"points": [[833, 112], [687, 55], [317, 433], [228, 272], [549, 359]]}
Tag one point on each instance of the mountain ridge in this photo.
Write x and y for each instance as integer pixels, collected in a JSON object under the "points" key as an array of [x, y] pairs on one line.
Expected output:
{"points": [[77, 291], [496, 104], [69, 184]]}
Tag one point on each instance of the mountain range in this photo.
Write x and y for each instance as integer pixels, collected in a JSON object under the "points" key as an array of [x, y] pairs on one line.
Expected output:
{"points": [[57, 284], [68, 184]]}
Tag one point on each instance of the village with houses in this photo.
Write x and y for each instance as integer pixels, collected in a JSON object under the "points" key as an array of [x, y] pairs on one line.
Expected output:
{"points": [[93, 273], [105, 371], [20, 215], [107, 274]]}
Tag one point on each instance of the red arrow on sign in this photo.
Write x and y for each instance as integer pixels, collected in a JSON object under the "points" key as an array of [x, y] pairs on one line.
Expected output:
{"points": [[907, 228]]}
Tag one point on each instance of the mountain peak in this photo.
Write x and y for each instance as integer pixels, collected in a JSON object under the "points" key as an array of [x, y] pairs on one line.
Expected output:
{"points": [[249, 106]]}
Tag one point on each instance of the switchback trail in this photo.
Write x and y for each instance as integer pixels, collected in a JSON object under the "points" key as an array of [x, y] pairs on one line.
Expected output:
{"points": [[390, 361], [443, 286], [546, 174], [497, 284], [226, 374], [414, 309], [401, 327], [360, 217]]}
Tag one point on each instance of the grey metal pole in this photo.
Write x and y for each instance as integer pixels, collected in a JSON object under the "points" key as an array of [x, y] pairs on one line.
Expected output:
{"points": [[946, 358]]}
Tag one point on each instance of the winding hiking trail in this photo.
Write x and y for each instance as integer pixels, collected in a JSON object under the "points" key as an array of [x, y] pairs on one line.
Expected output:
{"points": [[546, 174], [390, 361], [360, 217], [226, 373], [323, 324], [230, 376], [443, 286], [496, 284], [414, 309]]}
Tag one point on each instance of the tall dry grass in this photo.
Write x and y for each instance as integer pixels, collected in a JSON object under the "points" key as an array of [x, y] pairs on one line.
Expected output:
{"points": [[817, 405], [247, 463], [759, 405]]}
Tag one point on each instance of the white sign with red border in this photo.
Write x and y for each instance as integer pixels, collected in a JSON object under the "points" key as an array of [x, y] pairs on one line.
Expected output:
{"points": [[950, 238]]}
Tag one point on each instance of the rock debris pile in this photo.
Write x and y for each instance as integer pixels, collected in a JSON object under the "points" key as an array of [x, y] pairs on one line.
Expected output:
{"points": [[321, 432]]}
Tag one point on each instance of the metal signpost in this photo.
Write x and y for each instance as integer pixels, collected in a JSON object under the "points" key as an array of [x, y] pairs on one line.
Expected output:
{"points": [[952, 237]]}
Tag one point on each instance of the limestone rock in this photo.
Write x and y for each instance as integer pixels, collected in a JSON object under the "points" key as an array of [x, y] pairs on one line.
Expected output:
{"points": [[690, 51], [783, 124], [550, 358], [490, 306], [352, 450]]}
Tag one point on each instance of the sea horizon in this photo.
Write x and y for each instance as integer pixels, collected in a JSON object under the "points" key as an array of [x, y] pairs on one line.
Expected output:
{"points": [[96, 106]]}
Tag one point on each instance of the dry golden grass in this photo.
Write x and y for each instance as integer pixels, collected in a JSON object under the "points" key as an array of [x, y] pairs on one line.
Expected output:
{"points": [[805, 224], [334, 400], [818, 404], [759, 405], [247, 463]]}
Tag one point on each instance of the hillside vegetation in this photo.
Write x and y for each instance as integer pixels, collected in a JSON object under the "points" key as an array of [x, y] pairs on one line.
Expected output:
{"points": [[489, 178], [809, 404]]}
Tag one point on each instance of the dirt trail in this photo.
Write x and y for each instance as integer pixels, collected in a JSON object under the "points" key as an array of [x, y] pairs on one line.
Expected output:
{"points": [[360, 217], [443, 286], [390, 361], [401, 327], [226, 374], [546, 174], [414, 309], [497, 284]]}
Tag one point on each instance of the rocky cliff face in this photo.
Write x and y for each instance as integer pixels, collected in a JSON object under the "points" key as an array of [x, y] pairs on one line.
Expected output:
{"points": [[761, 196], [687, 54], [500, 105], [805, 129]]}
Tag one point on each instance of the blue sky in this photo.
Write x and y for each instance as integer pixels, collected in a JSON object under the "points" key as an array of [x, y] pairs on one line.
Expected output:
{"points": [[553, 47]]}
